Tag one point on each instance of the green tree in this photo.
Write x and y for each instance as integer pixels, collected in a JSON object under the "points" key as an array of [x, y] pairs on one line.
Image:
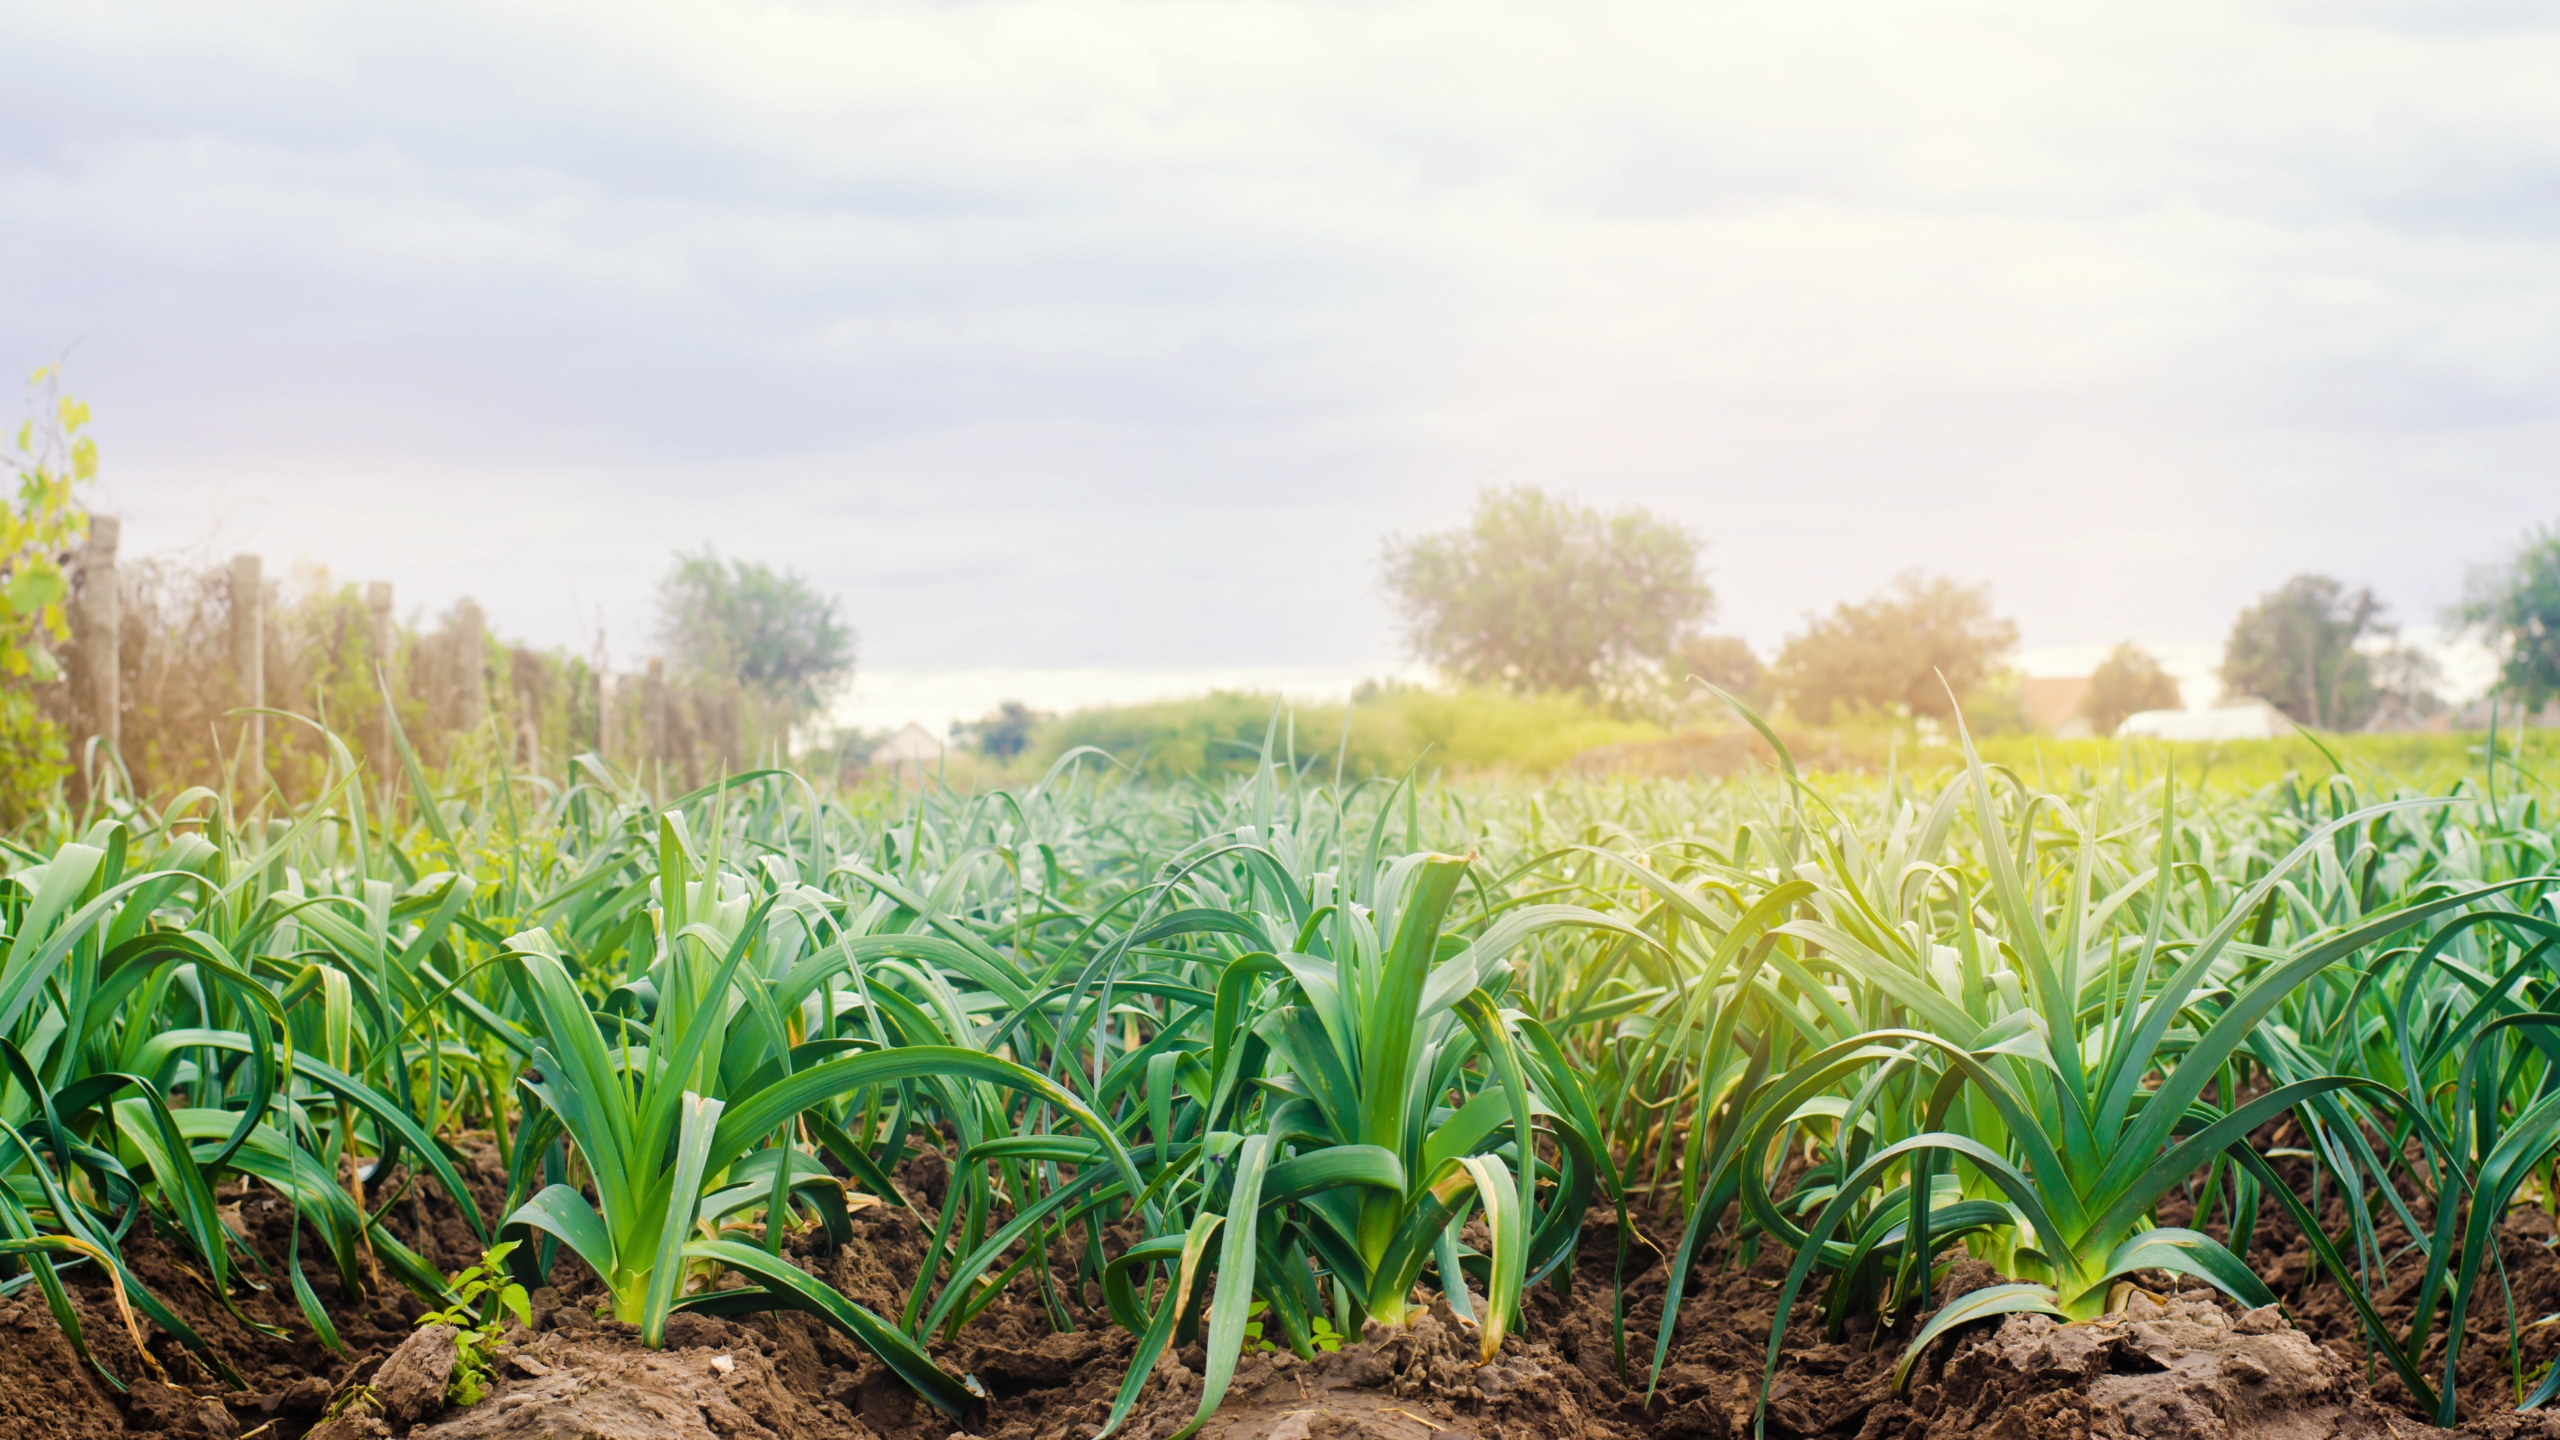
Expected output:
{"points": [[768, 630], [2297, 649], [1220, 732], [1724, 661], [1889, 652], [2406, 688], [1003, 732], [2515, 606], [1541, 594], [38, 529], [2127, 681]]}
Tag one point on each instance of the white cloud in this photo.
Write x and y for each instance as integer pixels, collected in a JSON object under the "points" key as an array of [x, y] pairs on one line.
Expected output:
{"points": [[1065, 336]]}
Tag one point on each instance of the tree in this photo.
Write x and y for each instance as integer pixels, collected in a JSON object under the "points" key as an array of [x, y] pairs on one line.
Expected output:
{"points": [[1890, 651], [1724, 661], [2128, 680], [2297, 649], [1003, 732], [769, 631], [37, 532], [2406, 685], [1540, 594], [2516, 608]]}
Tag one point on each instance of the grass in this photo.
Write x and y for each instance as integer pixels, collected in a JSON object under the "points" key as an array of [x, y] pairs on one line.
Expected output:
{"points": [[1381, 733], [1490, 735]]}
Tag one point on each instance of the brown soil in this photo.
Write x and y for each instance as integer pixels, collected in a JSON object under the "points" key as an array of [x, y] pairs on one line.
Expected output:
{"points": [[2186, 1364], [2487, 1383], [49, 1393]]}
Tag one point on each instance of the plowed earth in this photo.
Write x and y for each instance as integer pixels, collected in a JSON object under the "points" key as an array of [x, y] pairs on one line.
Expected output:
{"points": [[2178, 1364]]}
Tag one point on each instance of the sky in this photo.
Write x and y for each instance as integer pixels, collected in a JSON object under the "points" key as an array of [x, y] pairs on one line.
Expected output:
{"points": [[1088, 349]]}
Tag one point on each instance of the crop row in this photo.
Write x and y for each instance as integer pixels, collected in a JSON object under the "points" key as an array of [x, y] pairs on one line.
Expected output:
{"points": [[1257, 1054]]}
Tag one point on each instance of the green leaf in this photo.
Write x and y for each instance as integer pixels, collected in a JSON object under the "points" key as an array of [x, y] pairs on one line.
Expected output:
{"points": [[2015, 1299], [749, 1120], [2189, 1252], [684, 1197], [1235, 1281], [1142, 1363], [1507, 1219], [796, 1289], [561, 1211]]}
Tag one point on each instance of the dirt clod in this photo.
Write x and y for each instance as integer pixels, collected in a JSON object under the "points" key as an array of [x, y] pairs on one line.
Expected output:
{"points": [[2192, 1366], [177, 1413], [2185, 1370], [603, 1388], [411, 1383]]}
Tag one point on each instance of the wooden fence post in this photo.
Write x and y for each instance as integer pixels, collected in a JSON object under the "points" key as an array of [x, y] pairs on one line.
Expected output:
{"points": [[527, 686], [732, 739], [474, 681], [653, 713], [101, 625], [249, 655], [604, 716], [377, 599]]}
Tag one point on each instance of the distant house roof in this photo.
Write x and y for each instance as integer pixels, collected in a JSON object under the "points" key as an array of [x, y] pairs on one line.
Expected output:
{"points": [[2248, 720], [914, 745], [2053, 704]]}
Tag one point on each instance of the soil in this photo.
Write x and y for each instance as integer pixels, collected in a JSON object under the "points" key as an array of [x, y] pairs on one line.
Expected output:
{"points": [[2175, 1363]]}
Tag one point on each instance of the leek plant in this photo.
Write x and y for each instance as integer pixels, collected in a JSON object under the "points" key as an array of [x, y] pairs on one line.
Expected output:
{"points": [[695, 1120], [1357, 1095], [1272, 1043], [2104, 1113]]}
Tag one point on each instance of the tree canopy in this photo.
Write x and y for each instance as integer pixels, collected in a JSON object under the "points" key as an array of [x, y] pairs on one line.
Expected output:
{"points": [[1889, 650], [2297, 649], [2128, 681], [1724, 661], [38, 529], [1542, 594], [1003, 732], [2516, 607], [768, 630]]}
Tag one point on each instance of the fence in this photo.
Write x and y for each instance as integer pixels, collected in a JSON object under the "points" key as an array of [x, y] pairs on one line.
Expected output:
{"points": [[170, 667]]}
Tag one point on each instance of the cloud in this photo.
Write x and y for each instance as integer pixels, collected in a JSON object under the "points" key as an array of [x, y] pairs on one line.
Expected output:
{"points": [[1064, 334]]}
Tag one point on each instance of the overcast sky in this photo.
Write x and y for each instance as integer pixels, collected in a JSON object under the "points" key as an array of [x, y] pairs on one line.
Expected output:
{"points": [[1062, 335]]}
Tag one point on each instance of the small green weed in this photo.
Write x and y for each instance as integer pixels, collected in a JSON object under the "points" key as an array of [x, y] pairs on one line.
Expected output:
{"points": [[483, 1298], [1322, 1334]]}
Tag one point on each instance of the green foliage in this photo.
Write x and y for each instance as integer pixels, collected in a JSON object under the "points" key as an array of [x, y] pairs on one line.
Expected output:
{"points": [[767, 630], [2015, 1018], [1004, 732], [1487, 734], [2128, 680], [1240, 1057], [1724, 661], [1391, 728], [483, 1298], [2516, 606], [2413, 760], [1889, 653], [39, 526], [326, 665], [1541, 594], [1472, 731], [2297, 650], [33, 755], [1213, 734], [1321, 1335]]}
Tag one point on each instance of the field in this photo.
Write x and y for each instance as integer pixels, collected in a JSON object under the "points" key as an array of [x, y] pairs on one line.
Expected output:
{"points": [[2037, 1090]]}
